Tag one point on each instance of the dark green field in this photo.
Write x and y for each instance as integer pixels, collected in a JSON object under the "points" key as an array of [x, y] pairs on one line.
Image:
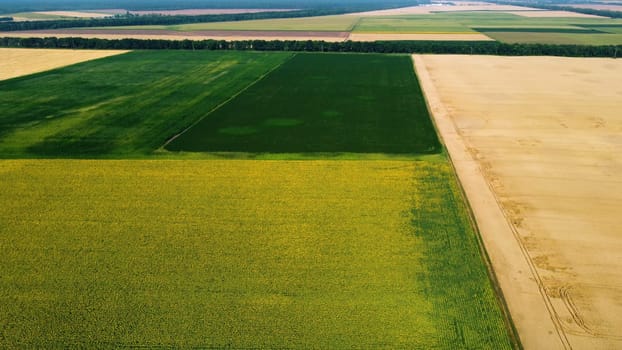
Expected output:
{"points": [[122, 106], [322, 103]]}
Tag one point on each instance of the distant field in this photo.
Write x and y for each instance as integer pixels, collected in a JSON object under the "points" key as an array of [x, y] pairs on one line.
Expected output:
{"points": [[608, 7], [418, 36], [557, 38], [412, 24], [19, 62], [322, 103], [160, 34], [462, 19], [76, 14], [323, 23], [36, 16], [196, 12], [126, 105], [465, 22], [240, 254], [55, 15]]}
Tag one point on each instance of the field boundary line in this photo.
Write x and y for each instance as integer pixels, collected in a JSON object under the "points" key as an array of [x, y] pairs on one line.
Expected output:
{"points": [[260, 78], [352, 29], [502, 251]]}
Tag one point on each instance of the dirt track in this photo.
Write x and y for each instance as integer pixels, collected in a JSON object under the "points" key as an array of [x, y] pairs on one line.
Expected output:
{"points": [[536, 142]]}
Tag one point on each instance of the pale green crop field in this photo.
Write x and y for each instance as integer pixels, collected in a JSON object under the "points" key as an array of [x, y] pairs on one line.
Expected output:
{"points": [[464, 22]]}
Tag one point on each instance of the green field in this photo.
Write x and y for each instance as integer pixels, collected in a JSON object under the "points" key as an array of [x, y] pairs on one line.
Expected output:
{"points": [[322, 103], [465, 22], [240, 254], [122, 106]]}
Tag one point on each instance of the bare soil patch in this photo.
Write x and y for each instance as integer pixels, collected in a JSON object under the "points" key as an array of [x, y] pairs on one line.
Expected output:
{"points": [[542, 136], [18, 62], [416, 36]]}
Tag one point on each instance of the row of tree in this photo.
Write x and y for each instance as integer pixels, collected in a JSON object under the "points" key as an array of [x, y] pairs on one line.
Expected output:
{"points": [[427, 47]]}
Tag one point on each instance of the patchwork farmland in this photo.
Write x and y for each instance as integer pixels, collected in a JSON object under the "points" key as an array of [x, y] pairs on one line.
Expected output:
{"points": [[242, 198], [449, 21], [179, 249]]}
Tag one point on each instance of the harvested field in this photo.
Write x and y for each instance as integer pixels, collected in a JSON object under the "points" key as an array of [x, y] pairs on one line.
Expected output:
{"points": [[416, 36], [240, 254], [536, 144], [77, 14], [18, 62], [196, 12]]}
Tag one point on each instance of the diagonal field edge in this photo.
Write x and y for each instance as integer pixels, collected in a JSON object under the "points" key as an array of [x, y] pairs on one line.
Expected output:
{"points": [[261, 77]]}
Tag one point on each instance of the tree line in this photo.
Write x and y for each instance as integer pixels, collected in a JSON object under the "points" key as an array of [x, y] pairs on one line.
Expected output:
{"points": [[424, 47]]}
